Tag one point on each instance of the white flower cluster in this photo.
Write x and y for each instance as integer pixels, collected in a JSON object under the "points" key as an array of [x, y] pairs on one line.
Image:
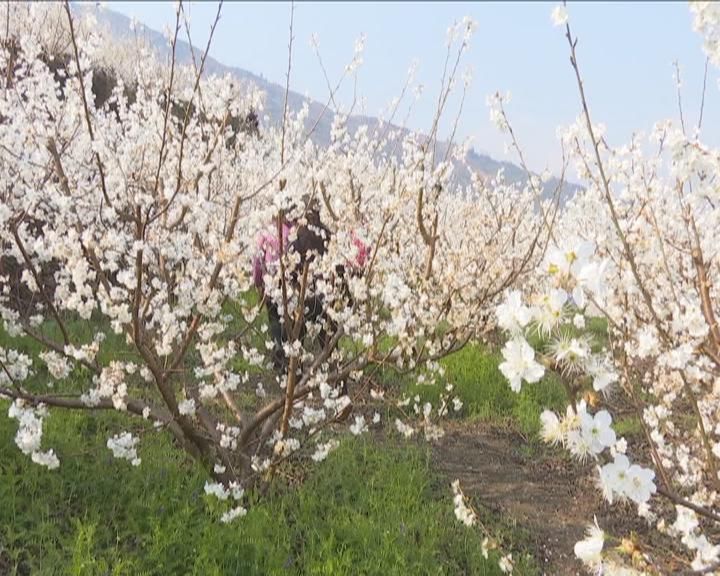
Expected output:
{"points": [[556, 313], [323, 449], [358, 426], [638, 249], [406, 430], [124, 446], [495, 103], [284, 446], [706, 21], [233, 491], [586, 435], [573, 271], [17, 367], [228, 435], [152, 224], [463, 513], [29, 434], [621, 479], [57, 365], [109, 384], [186, 407], [686, 526]]}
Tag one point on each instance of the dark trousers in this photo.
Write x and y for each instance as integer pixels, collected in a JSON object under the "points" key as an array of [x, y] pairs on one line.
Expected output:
{"points": [[314, 312]]}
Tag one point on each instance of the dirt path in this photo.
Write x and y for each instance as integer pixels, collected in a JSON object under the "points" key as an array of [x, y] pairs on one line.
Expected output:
{"points": [[542, 494]]}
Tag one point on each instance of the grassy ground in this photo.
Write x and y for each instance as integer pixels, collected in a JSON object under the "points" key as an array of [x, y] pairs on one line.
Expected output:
{"points": [[368, 509], [486, 394], [365, 510]]}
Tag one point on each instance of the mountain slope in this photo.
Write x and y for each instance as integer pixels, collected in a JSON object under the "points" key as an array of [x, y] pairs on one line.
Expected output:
{"points": [[119, 26]]}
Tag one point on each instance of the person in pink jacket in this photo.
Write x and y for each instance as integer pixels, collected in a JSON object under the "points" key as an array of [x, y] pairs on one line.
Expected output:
{"points": [[268, 252]]}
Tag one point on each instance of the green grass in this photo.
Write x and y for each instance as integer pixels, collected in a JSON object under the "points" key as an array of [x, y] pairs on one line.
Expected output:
{"points": [[365, 510], [629, 426], [368, 509], [486, 394], [598, 329]]}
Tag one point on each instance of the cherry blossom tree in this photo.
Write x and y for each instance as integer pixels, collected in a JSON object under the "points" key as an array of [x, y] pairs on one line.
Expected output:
{"points": [[136, 219], [637, 247]]}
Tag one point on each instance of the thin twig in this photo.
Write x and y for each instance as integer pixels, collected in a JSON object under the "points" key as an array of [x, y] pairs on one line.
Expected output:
{"points": [[287, 85], [88, 122], [702, 100]]}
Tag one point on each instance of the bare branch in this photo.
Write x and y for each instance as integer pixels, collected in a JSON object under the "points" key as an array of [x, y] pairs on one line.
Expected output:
{"points": [[88, 122], [287, 85]]}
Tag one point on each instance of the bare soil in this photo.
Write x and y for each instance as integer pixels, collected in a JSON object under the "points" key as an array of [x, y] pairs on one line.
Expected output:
{"points": [[550, 500]]}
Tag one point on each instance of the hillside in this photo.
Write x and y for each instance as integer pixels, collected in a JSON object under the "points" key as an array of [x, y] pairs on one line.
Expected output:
{"points": [[119, 25]]}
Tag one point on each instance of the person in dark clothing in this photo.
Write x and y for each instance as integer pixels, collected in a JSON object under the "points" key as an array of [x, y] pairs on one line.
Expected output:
{"points": [[311, 240]]}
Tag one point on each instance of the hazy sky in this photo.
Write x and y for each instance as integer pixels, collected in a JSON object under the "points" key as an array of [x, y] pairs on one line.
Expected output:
{"points": [[625, 50]]}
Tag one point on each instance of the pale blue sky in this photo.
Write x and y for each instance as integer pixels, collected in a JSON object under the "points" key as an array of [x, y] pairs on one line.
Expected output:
{"points": [[625, 50]]}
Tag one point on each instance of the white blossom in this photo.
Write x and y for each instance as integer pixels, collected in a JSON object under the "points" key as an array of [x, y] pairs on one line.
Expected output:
{"points": [[123, 446], [520, 363], [589, 550]]}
